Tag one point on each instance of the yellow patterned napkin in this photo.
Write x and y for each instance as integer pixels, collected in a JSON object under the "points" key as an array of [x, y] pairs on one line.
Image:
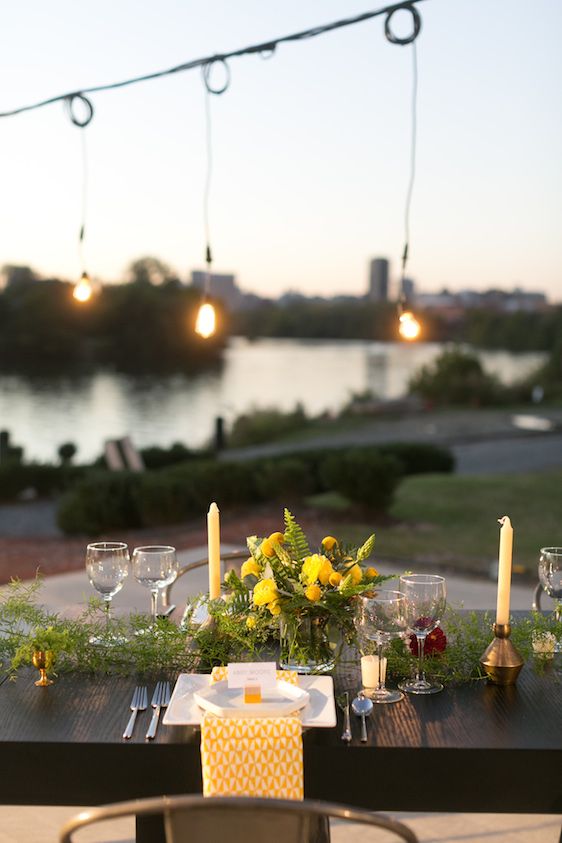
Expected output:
{"points": [[252, 756]]}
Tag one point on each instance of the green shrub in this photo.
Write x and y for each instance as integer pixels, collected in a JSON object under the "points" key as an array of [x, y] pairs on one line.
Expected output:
{"points": [[157, 457], [420, 458], [365, 476], [287, 479], [15, 477], [265, 426], [101, 501], [457, 377]]}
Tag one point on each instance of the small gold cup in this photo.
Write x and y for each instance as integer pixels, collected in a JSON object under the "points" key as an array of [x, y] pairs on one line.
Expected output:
{"points": [[501, 660], [43, 661]]}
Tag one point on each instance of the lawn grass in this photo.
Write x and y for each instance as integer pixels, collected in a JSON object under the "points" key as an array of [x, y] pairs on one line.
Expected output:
{"points": [[452, 520]]}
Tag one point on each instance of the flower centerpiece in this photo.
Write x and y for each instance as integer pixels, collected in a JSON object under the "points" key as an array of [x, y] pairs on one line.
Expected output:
{"points": [[308, 595]]}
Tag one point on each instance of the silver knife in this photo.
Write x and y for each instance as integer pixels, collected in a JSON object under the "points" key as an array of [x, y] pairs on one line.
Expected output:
{"points": [[346, 734]]}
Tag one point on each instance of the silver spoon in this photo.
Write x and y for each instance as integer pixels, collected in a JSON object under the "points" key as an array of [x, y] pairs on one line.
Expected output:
{"points": [[362, 707]]}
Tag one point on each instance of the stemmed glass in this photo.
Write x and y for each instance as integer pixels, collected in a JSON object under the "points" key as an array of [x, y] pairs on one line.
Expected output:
{"points": [[425, 601], [550, 576], [155, 567], [107, 566], [382, 618]]}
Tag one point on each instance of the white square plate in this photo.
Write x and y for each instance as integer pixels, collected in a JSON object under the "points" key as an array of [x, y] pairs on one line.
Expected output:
{"points": [[184, 711], [223, 701]]}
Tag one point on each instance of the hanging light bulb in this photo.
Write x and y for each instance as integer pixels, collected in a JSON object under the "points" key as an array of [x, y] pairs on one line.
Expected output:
{"points": [[408, 326], [205, 324], [83, 289]]}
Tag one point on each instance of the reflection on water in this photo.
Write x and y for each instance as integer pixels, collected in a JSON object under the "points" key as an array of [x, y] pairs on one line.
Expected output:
{"points": [[43, 412]]}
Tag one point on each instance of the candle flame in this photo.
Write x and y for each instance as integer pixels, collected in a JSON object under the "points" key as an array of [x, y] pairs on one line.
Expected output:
{"points": [[205, 325]]}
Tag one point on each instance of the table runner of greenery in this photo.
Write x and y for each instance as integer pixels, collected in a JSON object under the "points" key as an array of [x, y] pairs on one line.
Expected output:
{"points": [[168, 648]]}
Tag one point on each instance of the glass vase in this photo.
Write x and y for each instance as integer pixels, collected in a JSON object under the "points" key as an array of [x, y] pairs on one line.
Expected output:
{"points": [[309, 643]]}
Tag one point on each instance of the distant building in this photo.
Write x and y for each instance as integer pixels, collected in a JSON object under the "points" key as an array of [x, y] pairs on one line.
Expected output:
{"points": [[378, 280], [502, 301], [408, 290], [222, 287]]}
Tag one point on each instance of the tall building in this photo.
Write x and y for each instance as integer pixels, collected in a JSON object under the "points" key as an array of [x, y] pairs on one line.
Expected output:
{"points": [[378, 279], [222, 286]]}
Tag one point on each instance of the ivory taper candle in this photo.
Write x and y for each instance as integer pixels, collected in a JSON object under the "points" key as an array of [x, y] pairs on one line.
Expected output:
{"points": [[504, 570], [214, 546]]}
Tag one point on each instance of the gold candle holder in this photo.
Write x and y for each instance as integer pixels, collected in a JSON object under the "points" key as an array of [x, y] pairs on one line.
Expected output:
{"points": [[501, 660]]}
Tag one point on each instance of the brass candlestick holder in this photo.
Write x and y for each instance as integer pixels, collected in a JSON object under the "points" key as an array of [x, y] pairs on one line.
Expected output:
{"points": [[501, 660]]}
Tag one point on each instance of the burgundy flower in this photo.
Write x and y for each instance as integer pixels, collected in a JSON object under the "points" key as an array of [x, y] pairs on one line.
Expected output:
{"points": [[435, 642]]}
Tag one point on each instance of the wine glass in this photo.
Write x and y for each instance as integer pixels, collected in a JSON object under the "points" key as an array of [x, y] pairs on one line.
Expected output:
{"points": [[382, 618], [107, 566], [550, 576], [155, 567], [425, 601]]}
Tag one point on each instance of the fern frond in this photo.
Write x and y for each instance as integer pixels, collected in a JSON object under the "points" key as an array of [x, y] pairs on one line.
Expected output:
{"points": [[295, 538]]}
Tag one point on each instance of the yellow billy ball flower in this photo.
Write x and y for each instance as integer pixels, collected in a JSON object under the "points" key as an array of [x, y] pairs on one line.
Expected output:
{"points": [[250, 566], [277, 538], [313, 593], [329, 542], [311, 567], [325, 571], [250, 622], [275, 607], [355, 571], [371, 573], [267, 548], [265, 591], [335, 578]]}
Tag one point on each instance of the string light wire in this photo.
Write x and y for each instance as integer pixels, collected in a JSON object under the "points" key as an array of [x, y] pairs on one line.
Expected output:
{"points": [[264, 48]]}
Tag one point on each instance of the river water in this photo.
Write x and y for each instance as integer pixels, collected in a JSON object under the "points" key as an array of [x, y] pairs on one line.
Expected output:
{"points": [[43, 412]]}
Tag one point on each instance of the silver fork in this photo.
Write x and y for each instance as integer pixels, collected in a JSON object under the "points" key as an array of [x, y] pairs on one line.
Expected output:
{"points": [[138, 703], [343, 702], [160, 700]]}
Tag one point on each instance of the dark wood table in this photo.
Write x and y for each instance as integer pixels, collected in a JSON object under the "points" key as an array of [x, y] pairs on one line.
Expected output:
{"points": [[476, 748]]}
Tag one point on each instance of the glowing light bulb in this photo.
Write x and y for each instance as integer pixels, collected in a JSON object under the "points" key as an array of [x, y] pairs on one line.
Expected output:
{"points": [[83, 290], [206, 321], [409, 328]]}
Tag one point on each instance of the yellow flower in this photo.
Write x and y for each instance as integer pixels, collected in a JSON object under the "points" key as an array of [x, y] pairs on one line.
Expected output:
{"points": [[250, 622], [250, 566], [267, 548], [265, 591], [329, 542], [311, 567], [313, 593], [335, 579], [277, 538], [325, 571], [355, 571], [371, 573], [275, 607]]}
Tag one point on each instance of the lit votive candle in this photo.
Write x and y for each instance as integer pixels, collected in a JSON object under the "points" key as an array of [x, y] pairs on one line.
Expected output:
{"points": [[370, 671]]}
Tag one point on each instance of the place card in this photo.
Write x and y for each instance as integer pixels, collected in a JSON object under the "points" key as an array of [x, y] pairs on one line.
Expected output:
{"points": [[254, 677]]}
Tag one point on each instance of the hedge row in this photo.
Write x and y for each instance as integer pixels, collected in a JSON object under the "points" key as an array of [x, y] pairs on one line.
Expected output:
{"points": [[44, 480], [121, 500]]}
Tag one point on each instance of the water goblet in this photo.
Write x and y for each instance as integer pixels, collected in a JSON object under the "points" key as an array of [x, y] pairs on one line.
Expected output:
{"points": [[550, 576], [382, 617], [107, 566], [155, 567], [425, 601]]}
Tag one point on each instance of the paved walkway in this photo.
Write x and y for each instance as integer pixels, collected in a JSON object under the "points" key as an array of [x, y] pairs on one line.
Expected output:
{"points": [[67, 592]]}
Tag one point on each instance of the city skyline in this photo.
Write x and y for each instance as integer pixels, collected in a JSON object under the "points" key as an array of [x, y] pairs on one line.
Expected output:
{"points": [[310, 148]]}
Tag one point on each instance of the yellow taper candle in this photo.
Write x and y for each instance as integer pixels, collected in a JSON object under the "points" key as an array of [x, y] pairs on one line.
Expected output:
{"points": [[504, 570], [214, 544]]}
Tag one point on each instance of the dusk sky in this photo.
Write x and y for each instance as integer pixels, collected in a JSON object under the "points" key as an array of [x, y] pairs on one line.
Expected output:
{"points": [[310, 147]]}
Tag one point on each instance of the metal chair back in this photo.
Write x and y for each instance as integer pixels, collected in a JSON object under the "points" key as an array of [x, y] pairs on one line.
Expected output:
{"points": [[231, 562], [195, 819]]}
